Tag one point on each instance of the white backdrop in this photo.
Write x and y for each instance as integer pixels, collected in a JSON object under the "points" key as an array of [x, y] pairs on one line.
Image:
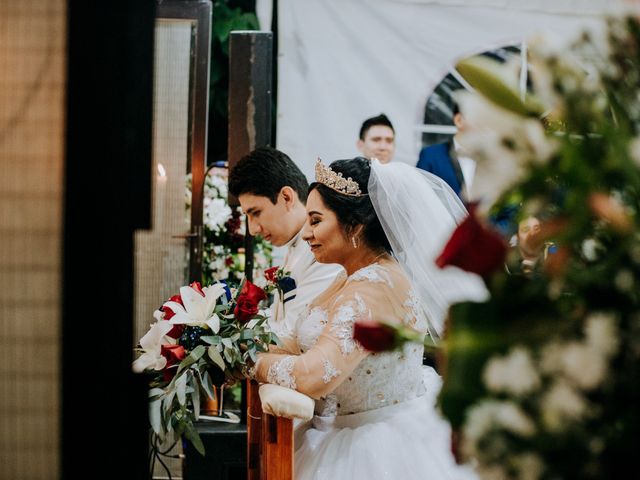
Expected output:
{"points": [[341, 61]]}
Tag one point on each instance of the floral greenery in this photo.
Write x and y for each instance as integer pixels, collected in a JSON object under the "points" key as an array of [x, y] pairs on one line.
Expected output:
{"points": [[203, 337], [543, 380], [223, 249]]}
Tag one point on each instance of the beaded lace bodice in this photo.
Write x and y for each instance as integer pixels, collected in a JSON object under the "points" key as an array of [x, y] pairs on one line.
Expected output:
{"points": [[322, 360]]}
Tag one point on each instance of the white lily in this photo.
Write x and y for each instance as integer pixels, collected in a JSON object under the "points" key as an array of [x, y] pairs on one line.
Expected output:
{"points": [[151, 344], [197, 310]]}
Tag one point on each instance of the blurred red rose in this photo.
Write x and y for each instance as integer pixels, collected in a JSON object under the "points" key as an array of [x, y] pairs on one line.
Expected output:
{"points": [[455, 446], [270, 274], [247, 303], [474, 248], [555, 265], [249, 290], [374, 336], [174, 355]]}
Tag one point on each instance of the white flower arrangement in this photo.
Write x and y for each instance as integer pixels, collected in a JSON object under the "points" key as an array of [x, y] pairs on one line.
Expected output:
{"points": [[514, 374], [223, 255]]}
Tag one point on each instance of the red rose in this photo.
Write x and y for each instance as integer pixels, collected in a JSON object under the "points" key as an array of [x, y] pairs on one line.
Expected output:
{"points": [[245, 309], [255, 293], [474, 248], [197, 287], [374, 336], [229, 261], [174, 355], [247, 302], [270, 274]]}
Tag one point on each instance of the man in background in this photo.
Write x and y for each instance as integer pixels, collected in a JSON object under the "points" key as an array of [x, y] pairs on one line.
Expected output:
{"points": [[450, 162], [530, 250], [377, 138]]}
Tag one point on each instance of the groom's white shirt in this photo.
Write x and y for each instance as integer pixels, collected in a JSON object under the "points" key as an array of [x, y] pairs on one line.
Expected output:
{"points": [[311, 277]]}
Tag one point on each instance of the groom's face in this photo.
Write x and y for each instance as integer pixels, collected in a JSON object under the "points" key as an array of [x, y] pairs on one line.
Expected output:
{"points": [[267, 219]]}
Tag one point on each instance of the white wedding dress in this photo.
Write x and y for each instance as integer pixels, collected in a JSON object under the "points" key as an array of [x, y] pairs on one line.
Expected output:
{"points": [[375, 413]]}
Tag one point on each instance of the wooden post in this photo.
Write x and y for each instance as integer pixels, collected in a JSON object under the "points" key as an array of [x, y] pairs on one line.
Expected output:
{"points": [[254, 430], [277, 444], [250, 62]]}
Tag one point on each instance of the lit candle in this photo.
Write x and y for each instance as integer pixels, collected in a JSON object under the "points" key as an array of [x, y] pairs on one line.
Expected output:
{"points": [[161, 185]]}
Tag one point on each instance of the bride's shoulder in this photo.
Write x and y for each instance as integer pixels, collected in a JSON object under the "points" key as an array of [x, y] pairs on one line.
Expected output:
{"points": [[373, 273], [387, 273]]}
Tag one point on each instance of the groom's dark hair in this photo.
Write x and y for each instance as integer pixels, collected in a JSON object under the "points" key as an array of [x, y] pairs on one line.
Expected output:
{"points": [[264, 172]]}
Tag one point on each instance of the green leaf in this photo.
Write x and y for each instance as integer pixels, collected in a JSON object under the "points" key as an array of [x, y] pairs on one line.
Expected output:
{"points": [[192, 435], [155, 393], [211, 339], [252, 354], [181, 389], [193, 357], [155, 415], [227, 356], [195, 399], [168, 421], [221, 309], [227, 342], [168, 400], [247, 334], [207, 385], [485, 76], [215, 356]]}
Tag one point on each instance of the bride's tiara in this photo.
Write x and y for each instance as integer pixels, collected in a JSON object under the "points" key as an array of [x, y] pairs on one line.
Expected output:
{"points": [[335, 181]]}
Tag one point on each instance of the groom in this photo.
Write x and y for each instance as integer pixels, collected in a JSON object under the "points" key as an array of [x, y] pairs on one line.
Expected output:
{"points": [[273, 193]]}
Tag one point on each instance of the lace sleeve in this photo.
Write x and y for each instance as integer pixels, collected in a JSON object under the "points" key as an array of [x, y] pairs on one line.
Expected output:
{"points": [[336, 354]]}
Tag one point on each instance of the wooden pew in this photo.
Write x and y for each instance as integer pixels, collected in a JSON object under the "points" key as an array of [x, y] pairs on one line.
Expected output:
{"points": [[270, 413], [254, 430]]}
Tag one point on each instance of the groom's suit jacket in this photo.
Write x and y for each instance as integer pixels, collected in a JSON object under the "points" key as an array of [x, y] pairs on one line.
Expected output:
{"points": [[311, 279], [441, 160]]}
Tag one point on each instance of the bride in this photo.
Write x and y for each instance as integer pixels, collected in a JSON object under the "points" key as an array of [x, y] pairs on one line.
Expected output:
{"points": [[375, 414]]}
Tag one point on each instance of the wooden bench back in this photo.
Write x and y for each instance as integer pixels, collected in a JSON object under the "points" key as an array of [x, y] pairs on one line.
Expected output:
{"points": [[269, 441]]}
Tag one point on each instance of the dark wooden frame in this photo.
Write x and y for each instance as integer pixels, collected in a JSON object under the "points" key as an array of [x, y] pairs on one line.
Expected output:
{"points": [[199, 13], [107, 178]]}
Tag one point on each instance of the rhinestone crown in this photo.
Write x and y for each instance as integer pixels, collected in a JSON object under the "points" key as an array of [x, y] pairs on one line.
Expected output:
{"points": [[335, 181]]}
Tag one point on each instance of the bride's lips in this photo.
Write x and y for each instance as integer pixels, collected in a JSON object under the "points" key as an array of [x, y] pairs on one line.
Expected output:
{"points": [[314, 247]]}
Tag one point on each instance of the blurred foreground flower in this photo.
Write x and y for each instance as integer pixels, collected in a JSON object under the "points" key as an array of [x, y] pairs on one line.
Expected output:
{"points": [[474, 247], [380, 337]]}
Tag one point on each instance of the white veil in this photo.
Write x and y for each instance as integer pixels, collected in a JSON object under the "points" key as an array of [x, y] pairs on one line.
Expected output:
{"points": [[419, 212]]}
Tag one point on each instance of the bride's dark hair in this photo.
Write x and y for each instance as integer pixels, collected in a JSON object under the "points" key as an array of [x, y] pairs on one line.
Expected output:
{"points": [[353, 211]]}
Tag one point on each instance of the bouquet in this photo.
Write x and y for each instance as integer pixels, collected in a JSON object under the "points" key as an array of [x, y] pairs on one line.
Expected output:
{"points": [[202, 337]]}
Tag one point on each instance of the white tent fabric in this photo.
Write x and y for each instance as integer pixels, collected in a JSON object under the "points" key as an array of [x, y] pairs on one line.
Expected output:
{"points": [[341, 61]]}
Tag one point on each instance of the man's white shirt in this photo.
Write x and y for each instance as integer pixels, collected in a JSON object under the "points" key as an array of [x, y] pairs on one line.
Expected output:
{"points": [[311, 277], [467, 165]]}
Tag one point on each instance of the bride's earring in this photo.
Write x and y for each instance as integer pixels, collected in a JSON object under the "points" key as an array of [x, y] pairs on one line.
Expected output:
{"points": [[353, 242]]}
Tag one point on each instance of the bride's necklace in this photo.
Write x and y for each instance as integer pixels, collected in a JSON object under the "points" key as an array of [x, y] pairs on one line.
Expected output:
{"points": [[378, 256], [367, 263]]}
